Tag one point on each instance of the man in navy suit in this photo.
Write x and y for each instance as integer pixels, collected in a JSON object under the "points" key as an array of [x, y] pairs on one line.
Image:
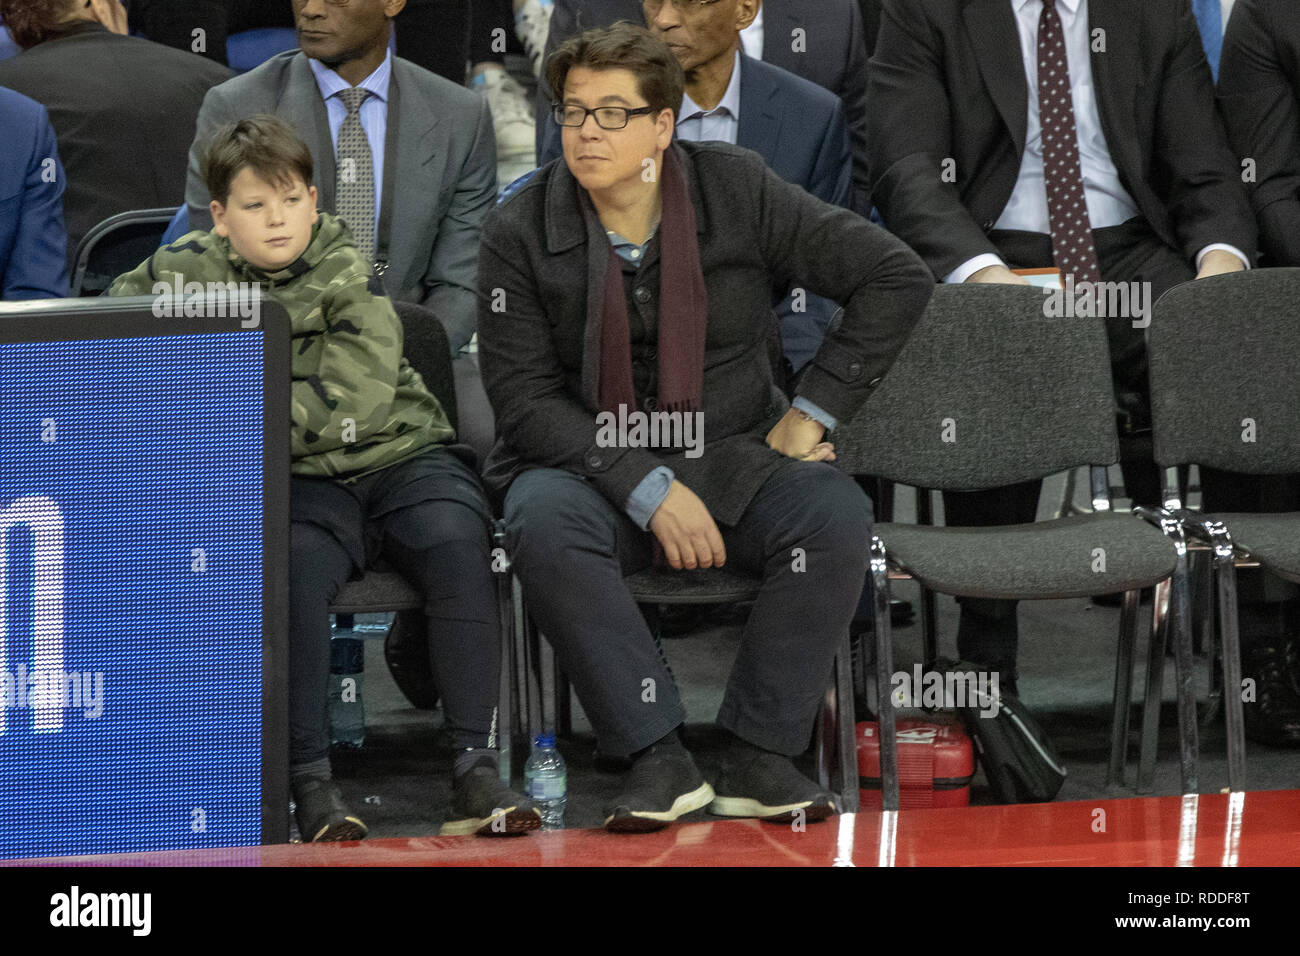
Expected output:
{"points": [[33, 242]]}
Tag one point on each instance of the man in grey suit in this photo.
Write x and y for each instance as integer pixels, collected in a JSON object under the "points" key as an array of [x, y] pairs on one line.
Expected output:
{"points": [[419, 131]]}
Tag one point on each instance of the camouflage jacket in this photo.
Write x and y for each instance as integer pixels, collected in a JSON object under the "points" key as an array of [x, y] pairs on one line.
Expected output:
{"points": [[357, 404]]}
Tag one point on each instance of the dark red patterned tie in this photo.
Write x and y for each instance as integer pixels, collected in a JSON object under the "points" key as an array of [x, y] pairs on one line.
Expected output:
{"points": [[1072, 245]]}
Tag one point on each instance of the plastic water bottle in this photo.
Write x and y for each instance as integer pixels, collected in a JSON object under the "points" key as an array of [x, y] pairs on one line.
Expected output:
{"points": [[545, 780], [347, 708]]}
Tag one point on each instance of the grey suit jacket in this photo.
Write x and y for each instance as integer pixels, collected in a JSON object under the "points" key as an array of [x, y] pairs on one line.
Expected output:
{"points": [[753, 227], [444, 166]]}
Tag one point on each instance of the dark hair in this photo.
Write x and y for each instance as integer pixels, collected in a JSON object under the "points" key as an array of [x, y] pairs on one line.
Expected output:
{"points": [[624, 46], [34, 21], [266, 144]]}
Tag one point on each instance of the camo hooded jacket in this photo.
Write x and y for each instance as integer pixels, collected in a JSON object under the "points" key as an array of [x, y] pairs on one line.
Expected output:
{"points": [[357, 404]]}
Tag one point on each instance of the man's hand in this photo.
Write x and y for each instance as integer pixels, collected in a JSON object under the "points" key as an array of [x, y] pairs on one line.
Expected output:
{"points": [[797, 435], [998, 274], [686, 530], [1218, 262]]}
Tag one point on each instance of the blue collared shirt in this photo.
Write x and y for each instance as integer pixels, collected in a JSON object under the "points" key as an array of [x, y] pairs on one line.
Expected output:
{"points": [[696, 124], [374, 114]]}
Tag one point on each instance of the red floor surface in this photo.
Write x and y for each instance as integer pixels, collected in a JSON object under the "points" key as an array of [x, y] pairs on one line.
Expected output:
{"points": [[1251, 829]]}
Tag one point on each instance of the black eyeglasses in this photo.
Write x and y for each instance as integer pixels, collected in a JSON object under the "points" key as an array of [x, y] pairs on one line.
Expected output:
{"points": [[607, 117]]}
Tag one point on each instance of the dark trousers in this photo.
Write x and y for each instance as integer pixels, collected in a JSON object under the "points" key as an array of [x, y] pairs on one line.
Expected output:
{"points": [[805, 533], [988, 632], [428, 517]]}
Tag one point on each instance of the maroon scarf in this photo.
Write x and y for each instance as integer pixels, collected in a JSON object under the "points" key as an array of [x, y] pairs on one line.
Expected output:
{"points": [[683, 307]]}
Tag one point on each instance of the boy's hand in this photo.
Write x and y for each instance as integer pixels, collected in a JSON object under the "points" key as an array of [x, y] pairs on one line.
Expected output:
{"points": [[686, 530]]}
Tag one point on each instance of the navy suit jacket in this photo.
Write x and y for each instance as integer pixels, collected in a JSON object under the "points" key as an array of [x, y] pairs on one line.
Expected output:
{"points": [[33, 243]]}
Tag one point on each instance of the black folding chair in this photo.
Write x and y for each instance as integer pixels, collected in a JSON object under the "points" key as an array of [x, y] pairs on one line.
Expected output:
{"points": [[988, 392], [117, 245]]}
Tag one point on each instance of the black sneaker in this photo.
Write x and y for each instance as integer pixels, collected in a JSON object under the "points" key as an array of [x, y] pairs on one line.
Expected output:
{"points": [[767, 786], [322, 815], [662, 785], [484, 804]]}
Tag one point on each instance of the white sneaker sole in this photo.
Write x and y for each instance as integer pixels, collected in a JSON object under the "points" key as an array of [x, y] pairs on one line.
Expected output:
{"points": [[656, 819], [512, 821], [748, 807]]}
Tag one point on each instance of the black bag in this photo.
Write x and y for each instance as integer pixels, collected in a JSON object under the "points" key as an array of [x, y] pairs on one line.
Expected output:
{"points": [[1018, 760]]}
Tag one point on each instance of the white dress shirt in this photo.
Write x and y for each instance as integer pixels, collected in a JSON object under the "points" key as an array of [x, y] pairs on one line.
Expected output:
{"points": [[722, 122], [1109, 203], [751, 38]]}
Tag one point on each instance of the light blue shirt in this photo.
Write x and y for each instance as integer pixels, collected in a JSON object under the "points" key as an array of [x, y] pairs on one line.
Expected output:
{"points": [[374, 114], [1108, 202], [720, 123]]}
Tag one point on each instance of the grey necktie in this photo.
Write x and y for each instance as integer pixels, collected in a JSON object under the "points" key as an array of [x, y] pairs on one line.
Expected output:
{"points": [[355, 195]]}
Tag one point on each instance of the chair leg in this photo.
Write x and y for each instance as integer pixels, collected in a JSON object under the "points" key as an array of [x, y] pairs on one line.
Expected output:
{"points": [[1180, 628], [1154, 686], [1229, 626], [884, 669], [847, 724], [929, 613], [504, 723], [1123, 689]]}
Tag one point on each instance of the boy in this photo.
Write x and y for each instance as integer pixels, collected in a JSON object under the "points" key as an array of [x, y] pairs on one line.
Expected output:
{"points": [[373, 470]]}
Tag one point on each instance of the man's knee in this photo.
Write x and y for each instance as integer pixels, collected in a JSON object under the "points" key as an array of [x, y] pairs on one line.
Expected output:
{"points": [[547, 508], [318, 564]]}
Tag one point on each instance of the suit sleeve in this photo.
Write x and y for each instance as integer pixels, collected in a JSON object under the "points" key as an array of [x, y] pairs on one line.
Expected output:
{"points": [[1205, 197], [908, 139], [881, 283], [854, 94], [215, 112], [38, 262], [450, 279], [535, 414], [1260, 109], [832, 179]]}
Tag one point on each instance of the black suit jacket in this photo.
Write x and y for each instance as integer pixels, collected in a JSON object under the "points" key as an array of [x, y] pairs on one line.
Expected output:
{"points": [[752, 226], [124, 111], [946, 82], [830, 52], [1259, 96]]}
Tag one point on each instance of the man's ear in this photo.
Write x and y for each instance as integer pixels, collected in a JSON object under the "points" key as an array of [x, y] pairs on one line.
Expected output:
{"points": [[311, 194], [218, 218], [664, 127], [746, 12]]}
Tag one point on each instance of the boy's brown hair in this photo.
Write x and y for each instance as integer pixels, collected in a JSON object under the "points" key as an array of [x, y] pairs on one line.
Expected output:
{"points": [[266, 144], [624, 46]]}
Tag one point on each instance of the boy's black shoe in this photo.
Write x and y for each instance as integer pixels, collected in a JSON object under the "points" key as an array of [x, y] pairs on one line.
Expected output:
{"points": [[484, 804], [662, 785], [756, 783], [322, 815]]}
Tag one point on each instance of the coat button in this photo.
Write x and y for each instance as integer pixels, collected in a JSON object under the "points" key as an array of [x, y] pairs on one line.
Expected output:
{"points": [[770, 411], [874, 382], [594, 460], [988, 224], [651, 403], [651, 354], [642, 294], [855, 370]]}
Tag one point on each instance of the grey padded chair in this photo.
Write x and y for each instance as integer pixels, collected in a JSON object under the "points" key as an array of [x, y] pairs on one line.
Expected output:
{"points": [[427, 349], [117, 245], [988, 392], [1222, 354]]}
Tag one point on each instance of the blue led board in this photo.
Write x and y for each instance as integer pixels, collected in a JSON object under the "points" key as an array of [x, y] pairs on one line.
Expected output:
{"points": [[132, 591]]}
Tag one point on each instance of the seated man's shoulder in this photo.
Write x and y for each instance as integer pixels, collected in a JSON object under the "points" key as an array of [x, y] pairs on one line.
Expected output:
{"points": [[446, 99], [717, 163], [808, 94], [271, 74], [20, 115]]}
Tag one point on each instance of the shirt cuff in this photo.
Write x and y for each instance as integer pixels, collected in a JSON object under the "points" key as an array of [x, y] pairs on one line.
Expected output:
{"points": [[972, 266], [1226, 248], [646, 497], [815, 412]]}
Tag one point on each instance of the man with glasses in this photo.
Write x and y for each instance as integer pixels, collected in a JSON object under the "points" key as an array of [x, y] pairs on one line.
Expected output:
{"points": [[630, 283], [374, 121]]}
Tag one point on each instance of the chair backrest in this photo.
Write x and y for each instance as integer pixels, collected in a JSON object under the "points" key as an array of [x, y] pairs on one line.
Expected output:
{"points": [[117, 245], [1224, 385], [429, 352], [250, 48], [987, 391]]}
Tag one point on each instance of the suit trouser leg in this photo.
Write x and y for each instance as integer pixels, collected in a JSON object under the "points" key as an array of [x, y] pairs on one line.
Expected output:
{"points": [[571, 549], [807, 533]]}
